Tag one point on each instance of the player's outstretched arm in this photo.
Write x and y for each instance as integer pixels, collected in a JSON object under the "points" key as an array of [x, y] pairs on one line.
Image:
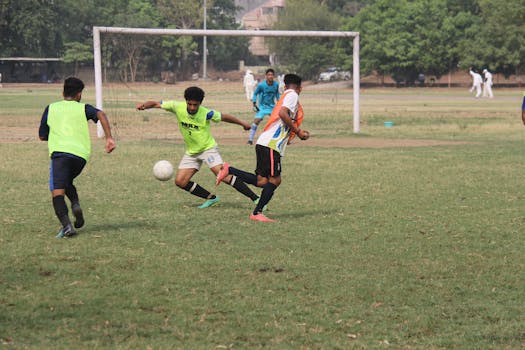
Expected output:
{"points": [[147, 105], [228, 118]]}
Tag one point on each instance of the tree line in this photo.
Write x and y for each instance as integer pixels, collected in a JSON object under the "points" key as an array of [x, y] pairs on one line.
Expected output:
{"points": [[399, 38]]}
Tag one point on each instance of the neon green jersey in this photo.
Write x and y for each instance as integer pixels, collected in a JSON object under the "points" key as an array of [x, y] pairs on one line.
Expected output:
{"points": [[195, 129], [68, 129]]}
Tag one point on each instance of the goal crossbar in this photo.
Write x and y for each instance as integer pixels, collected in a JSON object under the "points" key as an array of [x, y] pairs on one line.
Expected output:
{"points": [[219, 32]]}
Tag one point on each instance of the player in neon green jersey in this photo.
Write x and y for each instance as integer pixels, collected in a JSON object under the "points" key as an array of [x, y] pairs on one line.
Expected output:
{"points": [[64, 125], [194, 125]]}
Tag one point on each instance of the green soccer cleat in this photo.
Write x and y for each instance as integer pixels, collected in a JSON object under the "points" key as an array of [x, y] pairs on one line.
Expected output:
{"points": [[209, 203], [67, 232]]}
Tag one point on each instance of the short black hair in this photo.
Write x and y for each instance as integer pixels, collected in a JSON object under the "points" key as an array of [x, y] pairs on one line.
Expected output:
{"points": [[270, 70], [72, 86], [194, 93], [292, 79]]}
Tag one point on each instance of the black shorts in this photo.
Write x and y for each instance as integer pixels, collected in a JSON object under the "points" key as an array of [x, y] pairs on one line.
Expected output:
{"points": [[64, 169], [268, 161]]}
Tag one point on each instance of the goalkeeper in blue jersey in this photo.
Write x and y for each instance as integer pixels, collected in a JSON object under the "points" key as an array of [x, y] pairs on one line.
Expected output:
{"points": [[264, 98]]}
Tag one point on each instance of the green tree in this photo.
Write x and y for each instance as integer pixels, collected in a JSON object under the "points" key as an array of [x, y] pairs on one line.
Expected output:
{"points": [[28, 28], [345, 7], [78, 53], [139, 14], [498, 39], [224, 53], [307, 56], [79, 17], [181, 53], [405, 38]]}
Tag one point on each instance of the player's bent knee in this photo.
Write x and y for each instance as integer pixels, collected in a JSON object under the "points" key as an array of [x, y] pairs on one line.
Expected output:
{"points": [[275, 180], [261, 181], [182, 184]]}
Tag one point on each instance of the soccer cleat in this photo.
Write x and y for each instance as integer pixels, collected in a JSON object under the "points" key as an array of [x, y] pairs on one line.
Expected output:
{"points": [[209, 203], [265, 208], [67, 232], [260, 217], [79, 216], [60, 234], [222, 173], [250, 142]]}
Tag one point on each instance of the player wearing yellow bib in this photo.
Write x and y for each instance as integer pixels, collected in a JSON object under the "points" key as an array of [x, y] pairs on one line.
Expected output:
{"points": [[283, 125], [64, 125], [194, 125]]}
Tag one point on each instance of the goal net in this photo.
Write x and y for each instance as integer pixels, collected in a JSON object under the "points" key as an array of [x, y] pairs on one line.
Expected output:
{"points": [[326, 101]]}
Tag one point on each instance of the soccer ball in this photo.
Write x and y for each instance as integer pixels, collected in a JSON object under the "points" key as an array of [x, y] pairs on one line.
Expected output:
{"points": [[163, 170]]}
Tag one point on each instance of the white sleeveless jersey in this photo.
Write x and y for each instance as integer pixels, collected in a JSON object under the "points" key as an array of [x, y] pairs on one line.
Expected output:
{"points": [[276, 134]]}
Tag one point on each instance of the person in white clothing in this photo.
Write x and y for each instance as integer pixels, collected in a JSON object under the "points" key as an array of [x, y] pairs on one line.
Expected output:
{"points": [[477, 80], [249, 84], [280, 79], [487, 84]]}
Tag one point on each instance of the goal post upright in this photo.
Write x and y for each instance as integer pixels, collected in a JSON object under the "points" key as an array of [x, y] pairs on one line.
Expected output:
{"points": [[226, 33], [97, 58], [356, 83]]}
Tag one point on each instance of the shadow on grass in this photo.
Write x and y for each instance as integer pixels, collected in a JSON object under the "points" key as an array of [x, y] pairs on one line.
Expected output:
{"points": [[114, 227]]}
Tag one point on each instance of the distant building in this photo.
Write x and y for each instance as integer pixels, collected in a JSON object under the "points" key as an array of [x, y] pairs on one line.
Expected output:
{"points": [[262, 18], [246, 6]]}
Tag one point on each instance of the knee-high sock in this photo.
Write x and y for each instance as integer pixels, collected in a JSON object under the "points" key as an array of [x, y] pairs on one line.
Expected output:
{"points": [[197, 190], [252, 131], [242, 188], [244, 176], [266, 195], [71, 193], [59, 204]]}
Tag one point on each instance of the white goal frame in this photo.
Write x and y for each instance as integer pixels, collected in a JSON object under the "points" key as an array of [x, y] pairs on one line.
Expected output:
{"points": [[234, 33]]}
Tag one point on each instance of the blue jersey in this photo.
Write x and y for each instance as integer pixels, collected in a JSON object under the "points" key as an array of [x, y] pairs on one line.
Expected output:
{"points": [[266, 95], [523, 103]]}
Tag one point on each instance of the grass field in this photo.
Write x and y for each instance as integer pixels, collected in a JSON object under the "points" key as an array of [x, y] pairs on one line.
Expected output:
{"points": [[409, 237]]}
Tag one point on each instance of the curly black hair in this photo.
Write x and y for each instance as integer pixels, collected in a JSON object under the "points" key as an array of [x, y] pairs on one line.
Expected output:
{"points": [[194, 93]]}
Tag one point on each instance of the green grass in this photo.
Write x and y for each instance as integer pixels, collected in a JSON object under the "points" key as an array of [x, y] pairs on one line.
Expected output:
{"points": [[375, 248]]}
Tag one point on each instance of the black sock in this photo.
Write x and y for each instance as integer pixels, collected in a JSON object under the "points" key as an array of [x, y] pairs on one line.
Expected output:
{"points": [[197, 190], [242, 188], [59, 204], [245, 176], [71, 193], [266, 195]]}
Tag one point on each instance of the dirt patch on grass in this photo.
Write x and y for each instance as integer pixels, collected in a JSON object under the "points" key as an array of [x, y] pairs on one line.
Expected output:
{"points": [[233, 137], [356, 142]]}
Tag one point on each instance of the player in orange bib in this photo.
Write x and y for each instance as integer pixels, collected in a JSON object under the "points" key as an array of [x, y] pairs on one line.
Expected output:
{"points": [[282, 126]]}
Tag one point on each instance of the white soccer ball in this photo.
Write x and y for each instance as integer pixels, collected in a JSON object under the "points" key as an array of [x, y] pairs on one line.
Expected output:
{"points": [[163, 170]]}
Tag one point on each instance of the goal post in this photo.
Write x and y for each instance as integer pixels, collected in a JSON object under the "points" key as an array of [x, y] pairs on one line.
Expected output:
{"points": [[225, 33]]}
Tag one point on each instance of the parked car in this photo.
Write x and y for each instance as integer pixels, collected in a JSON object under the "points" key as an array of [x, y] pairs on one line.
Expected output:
{"points": [[335, 73]]}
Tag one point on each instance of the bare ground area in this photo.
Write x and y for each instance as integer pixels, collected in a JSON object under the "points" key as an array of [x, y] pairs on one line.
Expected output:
{"points": [[369, 143], [234, 137], [18, 129]]}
